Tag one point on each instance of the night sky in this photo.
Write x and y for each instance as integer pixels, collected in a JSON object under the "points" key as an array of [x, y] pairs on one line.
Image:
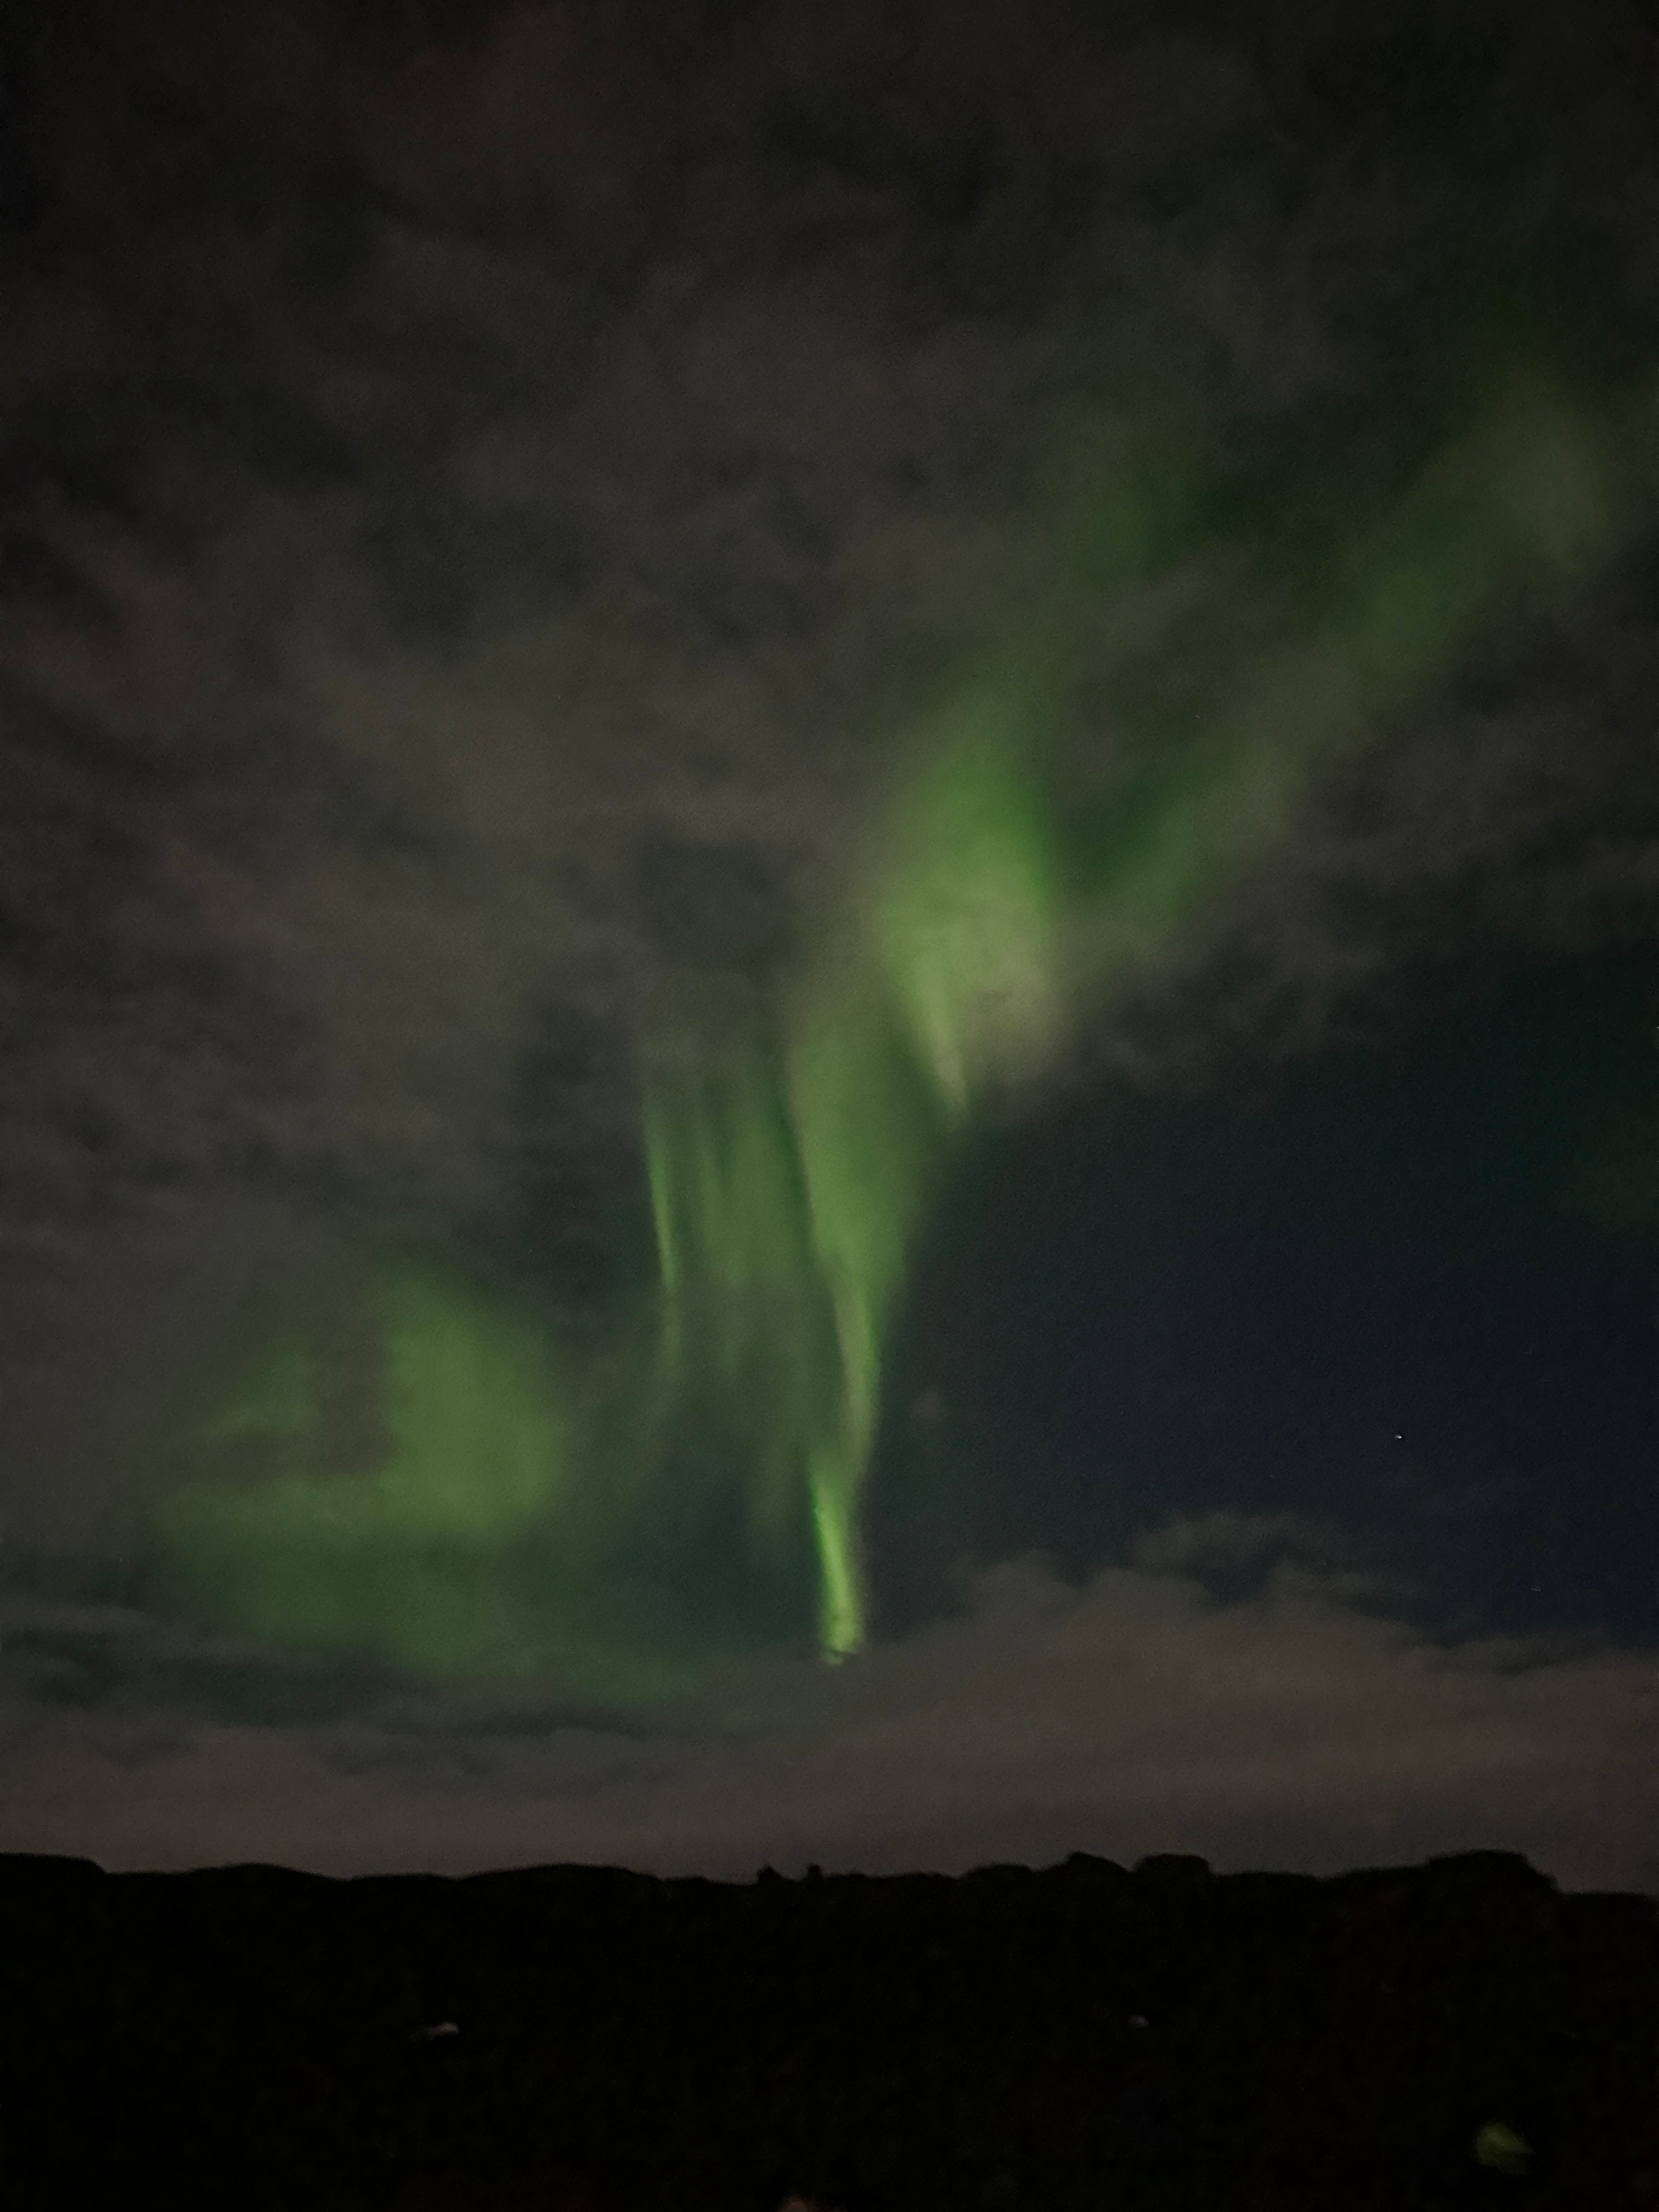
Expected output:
{"points": [[829, 934]]}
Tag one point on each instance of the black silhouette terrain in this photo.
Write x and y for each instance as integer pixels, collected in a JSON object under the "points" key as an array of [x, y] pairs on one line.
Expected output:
{"points": [[1402, 2039]]}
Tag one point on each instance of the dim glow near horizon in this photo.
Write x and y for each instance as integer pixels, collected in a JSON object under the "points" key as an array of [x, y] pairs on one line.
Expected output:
{"points": [[517, 1516]]}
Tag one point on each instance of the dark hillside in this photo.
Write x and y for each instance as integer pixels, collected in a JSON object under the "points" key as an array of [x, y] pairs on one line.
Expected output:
{"points": [[1078, 2037]]}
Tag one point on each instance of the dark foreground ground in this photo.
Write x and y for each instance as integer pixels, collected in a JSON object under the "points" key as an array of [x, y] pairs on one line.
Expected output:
{"points": [[1081, 2038]]}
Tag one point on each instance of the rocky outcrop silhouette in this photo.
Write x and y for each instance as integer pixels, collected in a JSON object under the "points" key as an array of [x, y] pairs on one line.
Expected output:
{"points": [[587, 2039]]}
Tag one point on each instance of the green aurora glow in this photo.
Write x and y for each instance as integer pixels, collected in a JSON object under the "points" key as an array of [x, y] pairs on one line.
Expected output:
{"points": [[623, 1528]]}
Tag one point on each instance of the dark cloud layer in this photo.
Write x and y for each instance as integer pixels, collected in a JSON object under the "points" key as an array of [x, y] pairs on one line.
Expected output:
{"points": [[478, 488]]}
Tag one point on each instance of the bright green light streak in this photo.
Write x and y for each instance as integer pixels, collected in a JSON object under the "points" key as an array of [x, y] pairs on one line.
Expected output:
{"points": [[791, 1171], [982, 918], [964, 918]]}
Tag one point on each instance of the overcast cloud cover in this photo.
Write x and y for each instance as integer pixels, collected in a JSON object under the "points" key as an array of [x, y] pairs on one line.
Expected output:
{"points": [[479, 488]]}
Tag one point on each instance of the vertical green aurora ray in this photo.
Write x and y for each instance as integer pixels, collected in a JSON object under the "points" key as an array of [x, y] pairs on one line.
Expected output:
{"points": [[791, 1169], [984, 915]]}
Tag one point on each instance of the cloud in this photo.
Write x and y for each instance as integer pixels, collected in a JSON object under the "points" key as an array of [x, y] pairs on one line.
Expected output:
{"points": [[440, 558], [368, 633], [1294, 1728]]}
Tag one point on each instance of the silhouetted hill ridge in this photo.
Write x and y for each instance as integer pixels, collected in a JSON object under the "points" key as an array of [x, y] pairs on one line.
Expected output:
{"points": [[1081, 2035]]}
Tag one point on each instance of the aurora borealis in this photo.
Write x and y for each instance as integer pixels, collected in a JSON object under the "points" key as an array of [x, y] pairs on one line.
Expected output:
{"points": [[828, 899], [515, 1522]]}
